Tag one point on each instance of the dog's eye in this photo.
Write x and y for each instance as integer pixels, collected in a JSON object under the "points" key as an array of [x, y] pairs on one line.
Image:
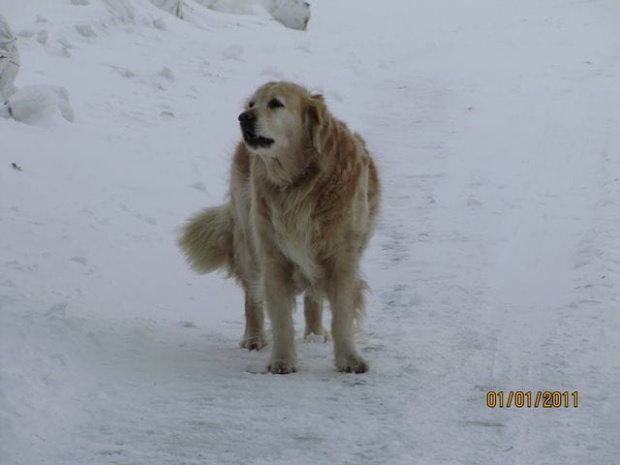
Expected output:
{"points": [[250, 105], [275, 103]]}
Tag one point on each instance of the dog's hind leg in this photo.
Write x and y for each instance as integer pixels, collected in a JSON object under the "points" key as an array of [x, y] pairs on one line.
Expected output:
{"points": [[343, 292], [313, 311], [254, 337]]}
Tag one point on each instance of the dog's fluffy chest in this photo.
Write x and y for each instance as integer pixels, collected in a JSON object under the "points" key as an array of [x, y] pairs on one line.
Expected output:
{"points": [[295, 232], [290, 224]]}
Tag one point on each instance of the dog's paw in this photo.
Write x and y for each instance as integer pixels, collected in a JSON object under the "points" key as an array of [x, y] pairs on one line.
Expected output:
{"points": [[282, 367], [352, 364], [256, 342]]}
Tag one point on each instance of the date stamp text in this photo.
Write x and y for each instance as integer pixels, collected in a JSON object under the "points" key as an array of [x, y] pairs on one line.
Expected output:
{"points": [[529, 399]]}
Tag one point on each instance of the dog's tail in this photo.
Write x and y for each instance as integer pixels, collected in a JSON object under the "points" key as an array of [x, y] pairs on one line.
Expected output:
{"points": [[207, 240]]}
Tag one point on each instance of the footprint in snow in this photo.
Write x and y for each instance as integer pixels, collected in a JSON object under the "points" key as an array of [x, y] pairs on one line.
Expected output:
{"points": [[85, 30], [123, 72], [199, 186], [79, 259], [188, 325], [233, 52], [57, 310], [163, 78]]}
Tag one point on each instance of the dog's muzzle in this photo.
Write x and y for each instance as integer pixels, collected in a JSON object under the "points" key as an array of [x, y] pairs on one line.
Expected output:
{"points": [[247, 120]]}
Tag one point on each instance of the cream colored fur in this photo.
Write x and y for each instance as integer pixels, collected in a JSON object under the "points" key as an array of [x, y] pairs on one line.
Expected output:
{"points": [[304, 195]]}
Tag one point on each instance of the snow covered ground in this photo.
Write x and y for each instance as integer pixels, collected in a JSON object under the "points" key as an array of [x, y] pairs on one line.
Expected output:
{"points": [[496, 265]]}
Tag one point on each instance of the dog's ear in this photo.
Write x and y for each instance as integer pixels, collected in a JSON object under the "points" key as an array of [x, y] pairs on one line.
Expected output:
{"points": [[316, 122]]}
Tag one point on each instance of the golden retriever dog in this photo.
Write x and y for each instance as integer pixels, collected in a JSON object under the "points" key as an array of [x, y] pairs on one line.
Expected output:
{"points": [[304, 195]]}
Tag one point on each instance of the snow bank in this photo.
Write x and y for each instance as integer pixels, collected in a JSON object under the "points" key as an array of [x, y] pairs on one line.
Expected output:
{"points": [[40, 105], [174, 7], [293, 14], [9, 60]]}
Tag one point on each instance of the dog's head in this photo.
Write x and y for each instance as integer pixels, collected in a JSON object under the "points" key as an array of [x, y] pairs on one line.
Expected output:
{"points": [[281, 117]]}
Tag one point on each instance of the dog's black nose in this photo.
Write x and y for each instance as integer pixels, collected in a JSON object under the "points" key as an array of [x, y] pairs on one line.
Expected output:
{"points": [[247, 117]]}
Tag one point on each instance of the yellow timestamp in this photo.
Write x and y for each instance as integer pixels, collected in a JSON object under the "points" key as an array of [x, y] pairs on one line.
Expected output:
{"points": [[529, 399]]}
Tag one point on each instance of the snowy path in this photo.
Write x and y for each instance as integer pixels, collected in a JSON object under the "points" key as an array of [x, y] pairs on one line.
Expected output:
{"points": [[495, 266]]}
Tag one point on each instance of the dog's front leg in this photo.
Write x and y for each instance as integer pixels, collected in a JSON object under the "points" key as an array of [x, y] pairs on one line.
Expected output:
{"points": [[280, 300]]}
